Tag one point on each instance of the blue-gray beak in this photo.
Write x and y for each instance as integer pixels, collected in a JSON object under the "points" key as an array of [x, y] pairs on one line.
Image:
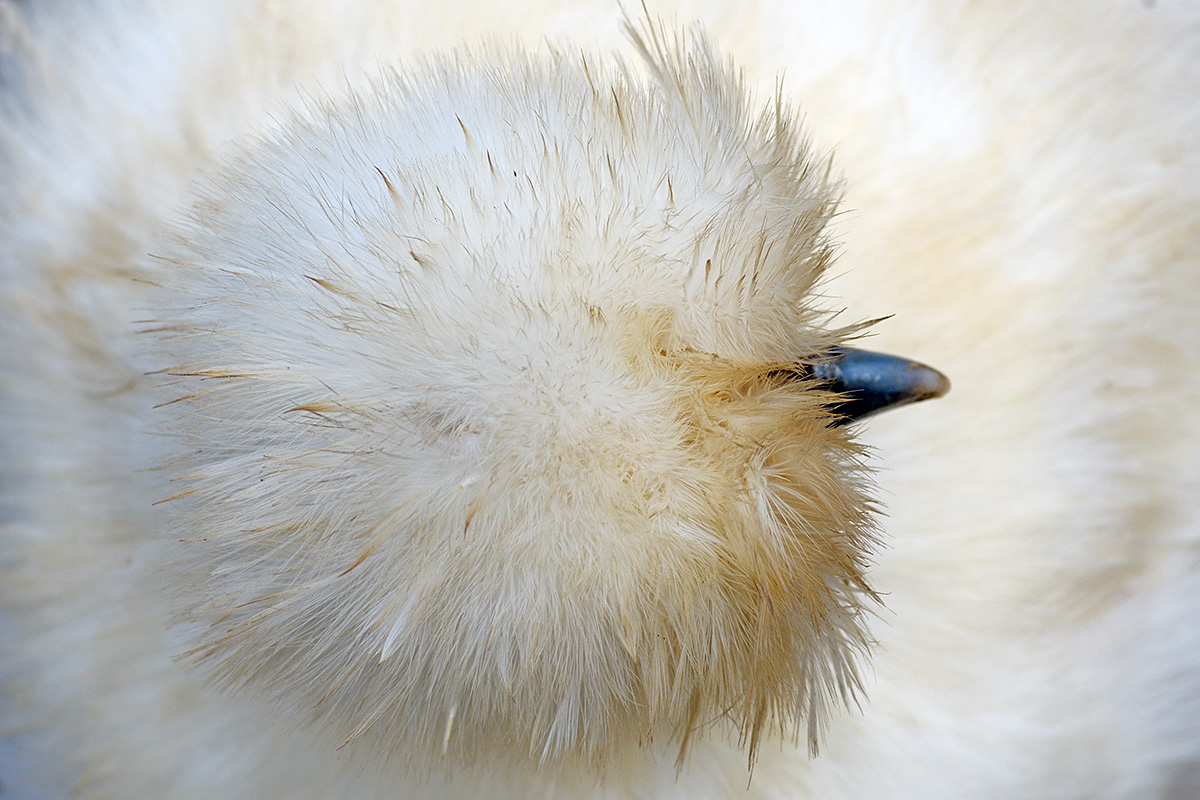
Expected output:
{"points": [[868, 382]]}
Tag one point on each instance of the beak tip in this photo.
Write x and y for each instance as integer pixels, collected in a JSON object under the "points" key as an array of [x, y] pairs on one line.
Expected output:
{"points": [[929, 383]]}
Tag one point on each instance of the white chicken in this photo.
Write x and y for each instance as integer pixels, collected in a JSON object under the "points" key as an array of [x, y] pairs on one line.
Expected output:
{"points": [[473, 426]]}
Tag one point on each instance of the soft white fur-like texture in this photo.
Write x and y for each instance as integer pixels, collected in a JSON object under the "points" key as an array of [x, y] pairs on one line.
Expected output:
{"points": [[458, 381]]}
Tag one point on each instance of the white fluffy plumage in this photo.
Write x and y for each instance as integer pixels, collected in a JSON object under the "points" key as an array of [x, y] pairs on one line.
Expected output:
{"points": [[486, 444], [377, 427]]}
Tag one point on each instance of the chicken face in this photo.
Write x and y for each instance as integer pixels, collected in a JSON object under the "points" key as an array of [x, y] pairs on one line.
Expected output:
{"points": [[492, 431]]}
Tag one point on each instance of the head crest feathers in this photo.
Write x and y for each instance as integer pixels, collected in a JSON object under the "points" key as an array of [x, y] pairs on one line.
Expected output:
{"points": [[486, 445]]}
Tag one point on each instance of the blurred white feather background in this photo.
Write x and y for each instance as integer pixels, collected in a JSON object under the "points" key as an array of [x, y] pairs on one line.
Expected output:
{"points": [[1021, 193]]}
